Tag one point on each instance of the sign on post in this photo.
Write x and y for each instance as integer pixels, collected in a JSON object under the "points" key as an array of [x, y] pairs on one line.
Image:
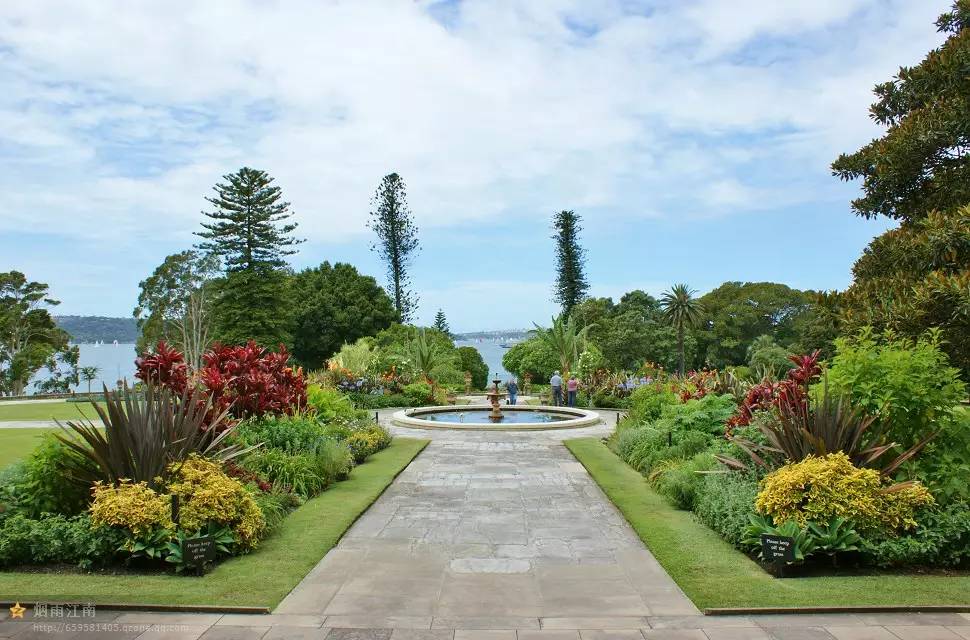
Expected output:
{"points": [[196, 552], [778, 550]]}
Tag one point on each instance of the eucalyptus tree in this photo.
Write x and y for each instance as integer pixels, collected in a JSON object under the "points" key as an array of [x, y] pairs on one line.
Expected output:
{"points": [[29, 337], [683, 311], [175, 304]]}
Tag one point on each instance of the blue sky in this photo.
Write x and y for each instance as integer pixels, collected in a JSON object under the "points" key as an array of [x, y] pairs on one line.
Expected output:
{"points": [[693, 137]]}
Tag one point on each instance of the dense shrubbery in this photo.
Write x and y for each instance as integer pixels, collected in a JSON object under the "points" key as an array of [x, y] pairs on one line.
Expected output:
{"points": [[724, 503], [41, 484], [833, 457], [245, 380], [57, 539], [170, 466], [818, 489]]}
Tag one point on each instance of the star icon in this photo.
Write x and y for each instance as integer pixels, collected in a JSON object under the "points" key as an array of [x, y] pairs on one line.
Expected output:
{"points": [[16, 611]]}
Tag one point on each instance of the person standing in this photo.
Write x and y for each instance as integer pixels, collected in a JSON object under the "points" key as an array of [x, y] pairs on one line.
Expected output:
{"points": [[512, 386], [556, 383], [572, 387]]}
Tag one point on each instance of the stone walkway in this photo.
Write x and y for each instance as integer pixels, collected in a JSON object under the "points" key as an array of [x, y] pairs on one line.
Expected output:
{"points": [[499, 530], [498, 536]]}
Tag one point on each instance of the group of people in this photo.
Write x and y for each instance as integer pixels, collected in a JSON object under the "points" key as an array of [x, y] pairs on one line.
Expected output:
{"points": [[632, 382], [556, 382], [572, 388]]}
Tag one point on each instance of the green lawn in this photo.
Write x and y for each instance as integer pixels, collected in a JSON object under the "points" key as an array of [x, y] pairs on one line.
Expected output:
{"points": [[45, 411], [260, 579], [713, 574], [17, 443]]}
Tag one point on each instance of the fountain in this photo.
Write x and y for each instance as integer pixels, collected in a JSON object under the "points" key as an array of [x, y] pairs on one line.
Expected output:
{"points": [[493, 416], [494, 395]]}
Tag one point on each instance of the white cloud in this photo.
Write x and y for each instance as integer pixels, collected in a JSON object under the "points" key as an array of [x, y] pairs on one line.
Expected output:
{"points": [[118, 117]]}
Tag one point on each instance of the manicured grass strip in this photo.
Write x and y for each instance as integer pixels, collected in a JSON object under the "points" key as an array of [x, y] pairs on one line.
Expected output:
{"points": [[17, 443], [714, 574], [26, 411], [260, 579]]}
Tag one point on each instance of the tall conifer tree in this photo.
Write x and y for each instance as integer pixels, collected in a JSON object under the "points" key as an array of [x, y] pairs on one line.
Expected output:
{"points": [[441, 323], [397, 240], [571, 284], [249, 231]]}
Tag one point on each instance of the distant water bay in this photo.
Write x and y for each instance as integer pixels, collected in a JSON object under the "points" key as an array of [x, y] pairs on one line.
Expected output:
{"points": [[117, 362], [114, 362], [492, 352]]}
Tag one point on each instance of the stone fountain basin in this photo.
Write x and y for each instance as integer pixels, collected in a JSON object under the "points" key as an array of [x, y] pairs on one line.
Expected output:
{"points": [[569, 418]]}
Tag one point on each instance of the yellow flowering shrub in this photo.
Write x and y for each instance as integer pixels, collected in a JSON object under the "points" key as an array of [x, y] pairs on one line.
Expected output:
{"points": [[131, 506], [362, 444], [818, 489], [366, 442], [207, 494]]}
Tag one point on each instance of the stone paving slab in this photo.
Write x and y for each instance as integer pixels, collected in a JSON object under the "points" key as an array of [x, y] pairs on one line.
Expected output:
{"points": [[490, 524]]}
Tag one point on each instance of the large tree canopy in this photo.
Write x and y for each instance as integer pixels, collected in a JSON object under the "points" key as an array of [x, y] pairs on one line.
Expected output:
{"points": [[631, 332], [29, 338], [471, 360], [533, 357], [736, 313], [335, 305], [921, 163], [175, 302], [917, 277]]}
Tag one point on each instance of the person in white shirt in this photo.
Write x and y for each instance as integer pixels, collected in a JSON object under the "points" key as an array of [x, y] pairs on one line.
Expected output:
{"points": [[556, 383]]}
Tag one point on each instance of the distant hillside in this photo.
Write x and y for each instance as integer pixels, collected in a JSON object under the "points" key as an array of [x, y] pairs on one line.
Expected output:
{"points": [[98, 328], [500, 334]]}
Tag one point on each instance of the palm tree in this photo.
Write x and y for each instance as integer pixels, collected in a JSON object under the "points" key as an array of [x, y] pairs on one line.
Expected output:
{"points": [[89, 375], [565, 338], [682, 310], [425, 355]]}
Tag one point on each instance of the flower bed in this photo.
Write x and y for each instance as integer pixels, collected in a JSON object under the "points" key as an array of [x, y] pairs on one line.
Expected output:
{"points": [[863, 461], [223, 454]]}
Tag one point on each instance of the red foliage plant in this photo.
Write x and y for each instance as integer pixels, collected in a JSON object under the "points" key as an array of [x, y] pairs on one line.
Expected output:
{"points": [[697, 384], [247, 380], [789, 396], [252, 380], [165, 367]]}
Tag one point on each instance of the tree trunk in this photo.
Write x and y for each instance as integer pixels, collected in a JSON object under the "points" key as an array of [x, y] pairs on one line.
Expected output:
{"points": [[680, 348]]}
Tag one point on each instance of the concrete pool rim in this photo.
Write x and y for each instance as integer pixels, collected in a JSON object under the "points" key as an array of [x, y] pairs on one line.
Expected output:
{"points": [[577, 418]]}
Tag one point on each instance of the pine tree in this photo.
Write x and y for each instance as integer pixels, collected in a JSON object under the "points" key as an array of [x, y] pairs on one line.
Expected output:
{"points": [[248, 231], [441, 323], [397, 240], [571, 285], [250, 234]]}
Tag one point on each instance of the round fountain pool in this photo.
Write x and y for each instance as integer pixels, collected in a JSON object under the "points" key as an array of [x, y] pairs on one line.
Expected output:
{"points": [[476, 417]]}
